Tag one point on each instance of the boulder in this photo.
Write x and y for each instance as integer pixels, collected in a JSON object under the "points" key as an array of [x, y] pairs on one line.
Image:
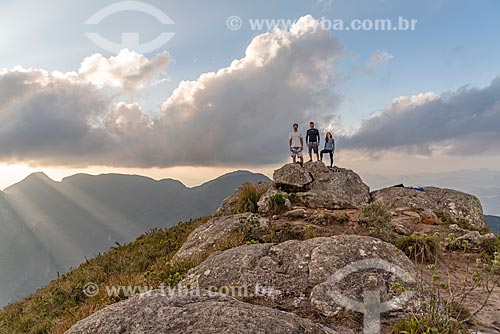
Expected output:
{"points": [[296, 213], [342, 189], [194, 313], [292, 178], [208, 234], [444, 203], [401, 229], [316, 186], [298, 273], [476, 240]]}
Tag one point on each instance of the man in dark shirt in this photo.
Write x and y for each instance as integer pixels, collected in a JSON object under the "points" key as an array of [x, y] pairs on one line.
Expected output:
{"points": [[312, 141]]}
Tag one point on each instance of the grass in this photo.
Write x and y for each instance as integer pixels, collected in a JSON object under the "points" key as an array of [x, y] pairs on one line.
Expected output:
{"points": [[428, 324], [277, 202], [248, 196], [490, 247], [418, 247], [378, 220]]}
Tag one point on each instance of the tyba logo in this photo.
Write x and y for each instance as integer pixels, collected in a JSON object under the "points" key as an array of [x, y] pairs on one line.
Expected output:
{"points": [[130, 40]]}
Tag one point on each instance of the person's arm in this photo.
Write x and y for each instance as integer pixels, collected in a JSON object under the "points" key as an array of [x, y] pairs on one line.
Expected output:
{"points": [[290, 141], [333, 145], [319, 137]]}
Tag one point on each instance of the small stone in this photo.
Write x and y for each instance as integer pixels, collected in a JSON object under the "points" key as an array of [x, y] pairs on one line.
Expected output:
{"points": [[401, 229]]}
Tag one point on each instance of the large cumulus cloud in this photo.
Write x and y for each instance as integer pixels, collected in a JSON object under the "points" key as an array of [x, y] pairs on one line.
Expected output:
{"points": [[239, 114], [462, 122]]}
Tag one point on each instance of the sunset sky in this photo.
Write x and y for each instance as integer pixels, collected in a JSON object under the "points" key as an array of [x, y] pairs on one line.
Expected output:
{"points": [[217, 97]]}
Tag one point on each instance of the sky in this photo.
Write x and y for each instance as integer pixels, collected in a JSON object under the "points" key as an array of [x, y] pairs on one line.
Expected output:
{"points": [[194, 89]]}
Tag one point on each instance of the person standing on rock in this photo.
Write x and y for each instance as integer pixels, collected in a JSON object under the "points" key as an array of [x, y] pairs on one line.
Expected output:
{"points": [[329, 147], [296, 143], [312, 141]]}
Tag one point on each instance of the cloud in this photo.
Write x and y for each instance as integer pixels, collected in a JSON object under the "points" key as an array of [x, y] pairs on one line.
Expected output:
{"points": [[463, 122], [240, 114], [380, 57], [128, 70]]}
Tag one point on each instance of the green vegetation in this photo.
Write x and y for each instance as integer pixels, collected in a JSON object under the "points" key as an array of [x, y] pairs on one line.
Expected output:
{"points": [[445, 307], [277, 202], [428, 324], [418, 247], [248, 197], [490, 247], [378, 220]]}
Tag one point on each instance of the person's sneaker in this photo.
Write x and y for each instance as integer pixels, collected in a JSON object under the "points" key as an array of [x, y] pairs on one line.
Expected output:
{"points": [[310, 160]]}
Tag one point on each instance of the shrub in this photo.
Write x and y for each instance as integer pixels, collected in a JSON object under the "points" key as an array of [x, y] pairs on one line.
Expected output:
{"points": [[491, 246], [419, 247], [378, 220], [277, 202], [248, 197], [428, 324], [442, 307]]}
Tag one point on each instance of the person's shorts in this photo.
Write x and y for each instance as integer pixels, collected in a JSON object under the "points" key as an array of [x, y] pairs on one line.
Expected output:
{"points": [[313, 147], [296, 152]]}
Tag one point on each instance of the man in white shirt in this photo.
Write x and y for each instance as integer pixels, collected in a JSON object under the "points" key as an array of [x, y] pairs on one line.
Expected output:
{"points": [[296, 144]]}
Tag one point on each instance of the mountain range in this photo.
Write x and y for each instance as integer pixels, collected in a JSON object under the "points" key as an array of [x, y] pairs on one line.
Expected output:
{"points": [[494, 223], [47, 227]]}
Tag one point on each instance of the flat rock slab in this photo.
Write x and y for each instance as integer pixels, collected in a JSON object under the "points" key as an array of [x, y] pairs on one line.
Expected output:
{"points": [[203, 314]]}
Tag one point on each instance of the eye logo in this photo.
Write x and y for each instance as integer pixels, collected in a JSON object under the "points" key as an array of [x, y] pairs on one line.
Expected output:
{"points": [[130, 40], [371, 307]]}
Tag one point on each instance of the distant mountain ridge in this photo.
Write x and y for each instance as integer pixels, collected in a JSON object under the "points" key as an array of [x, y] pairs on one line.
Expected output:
{"points": [[48, 226], [494, 223]]}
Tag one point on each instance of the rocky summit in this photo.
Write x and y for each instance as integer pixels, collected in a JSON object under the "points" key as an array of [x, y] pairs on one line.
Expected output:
{"points": [[300, 254]]}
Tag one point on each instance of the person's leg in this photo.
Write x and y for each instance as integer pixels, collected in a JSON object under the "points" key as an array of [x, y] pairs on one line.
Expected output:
{"points": [[293, 155], [331, 158], [309, 147], [301, 158], [316, 150], [321, 154]]}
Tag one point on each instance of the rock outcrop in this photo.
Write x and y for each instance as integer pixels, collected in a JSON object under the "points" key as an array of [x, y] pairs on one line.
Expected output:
{"points": [[293, 286], [207, 235], [444, 204], [158, 312], [316, 186], [292, 178], [298, 274]]}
